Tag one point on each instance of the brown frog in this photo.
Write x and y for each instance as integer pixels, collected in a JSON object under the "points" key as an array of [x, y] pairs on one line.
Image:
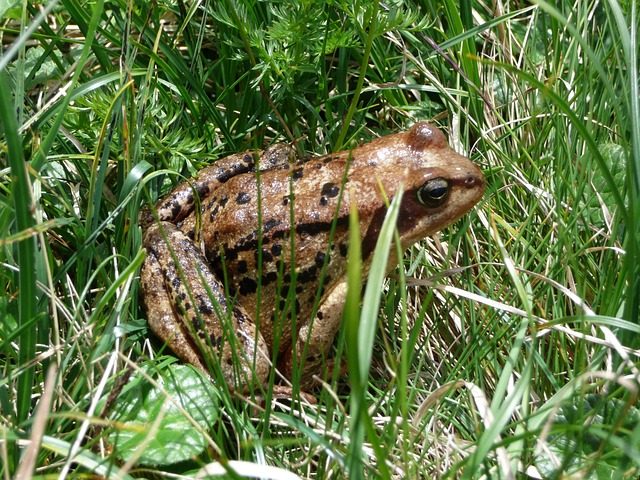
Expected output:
{"points": [[253, 212]]}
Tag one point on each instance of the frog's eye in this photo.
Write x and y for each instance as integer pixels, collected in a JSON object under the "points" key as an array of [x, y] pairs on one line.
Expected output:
{"points": [[433, 193]]}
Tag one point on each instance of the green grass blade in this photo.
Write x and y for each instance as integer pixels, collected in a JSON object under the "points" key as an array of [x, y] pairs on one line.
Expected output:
{"points": [[26, 248]]}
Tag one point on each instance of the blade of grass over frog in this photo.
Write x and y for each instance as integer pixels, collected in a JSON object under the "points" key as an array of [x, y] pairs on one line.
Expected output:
{"points": [[26, 285], [351, 318], [371, 299], [360, 330]]}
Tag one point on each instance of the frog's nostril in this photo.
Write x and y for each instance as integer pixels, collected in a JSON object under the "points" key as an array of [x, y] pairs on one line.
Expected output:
{"points": [[472, 181]]}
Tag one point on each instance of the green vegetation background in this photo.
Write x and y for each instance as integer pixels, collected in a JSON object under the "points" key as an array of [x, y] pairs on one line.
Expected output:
{"points": [[506, 347]]}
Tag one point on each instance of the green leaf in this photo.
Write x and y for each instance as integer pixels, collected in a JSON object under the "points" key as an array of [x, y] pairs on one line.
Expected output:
{"points": [[615, 160], [159, 420]]}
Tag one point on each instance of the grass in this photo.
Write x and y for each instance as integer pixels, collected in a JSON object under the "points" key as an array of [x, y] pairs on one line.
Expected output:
{"points": [[507, 346]]}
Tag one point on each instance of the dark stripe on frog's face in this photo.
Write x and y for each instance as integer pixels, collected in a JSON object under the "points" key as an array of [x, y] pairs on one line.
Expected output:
{"points": [[316, 228]]}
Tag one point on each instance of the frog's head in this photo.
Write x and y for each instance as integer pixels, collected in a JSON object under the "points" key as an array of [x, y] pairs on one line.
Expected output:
{"points": [[439, 188]]}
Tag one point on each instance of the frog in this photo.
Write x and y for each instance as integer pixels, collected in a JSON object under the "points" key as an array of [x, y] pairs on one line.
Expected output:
{"points": [[246, 263]]}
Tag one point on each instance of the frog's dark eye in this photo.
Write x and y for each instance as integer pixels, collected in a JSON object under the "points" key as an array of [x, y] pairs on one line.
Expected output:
{"points": [[433, 193]]}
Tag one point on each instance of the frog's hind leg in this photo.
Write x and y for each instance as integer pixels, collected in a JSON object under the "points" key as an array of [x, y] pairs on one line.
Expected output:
{"points": [[183, 298], [161, 316]]}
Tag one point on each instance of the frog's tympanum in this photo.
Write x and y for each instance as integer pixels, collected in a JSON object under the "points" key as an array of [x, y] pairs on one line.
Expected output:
{"points": [[230, 245]]}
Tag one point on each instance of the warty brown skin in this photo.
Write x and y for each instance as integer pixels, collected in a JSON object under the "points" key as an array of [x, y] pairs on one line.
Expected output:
{"points": [[301, 203]]}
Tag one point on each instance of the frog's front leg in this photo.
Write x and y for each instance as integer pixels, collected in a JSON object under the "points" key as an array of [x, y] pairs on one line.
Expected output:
{"points": [[176, 281], [316, 336]]}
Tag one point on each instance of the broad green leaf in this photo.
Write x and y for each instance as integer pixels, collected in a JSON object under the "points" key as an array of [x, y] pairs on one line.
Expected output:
{"points": [[144, 410]]}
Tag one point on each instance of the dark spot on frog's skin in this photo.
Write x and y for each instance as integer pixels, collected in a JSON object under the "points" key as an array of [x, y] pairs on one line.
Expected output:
{"points": [[285, 201], [231, 254], [223, 201], [243, 198], [319, 315], [266, 257], [247, 286], [284, 291], [204, 308], [215, 342], [248, 159], [327, 159], [308, 275], [237, 314], [186, 306], [175, 283], [297, 174], [373, 163], [197, 324], [319, 166], [242, 266], [325, 281], [223, 175], [371, 238], [276, 249], [330, 190], [282, 304], [343, 249], [320, 256], [176, 208], [245, 244], [269, 278], [323, 201], [299, 289], [269, 224]]}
